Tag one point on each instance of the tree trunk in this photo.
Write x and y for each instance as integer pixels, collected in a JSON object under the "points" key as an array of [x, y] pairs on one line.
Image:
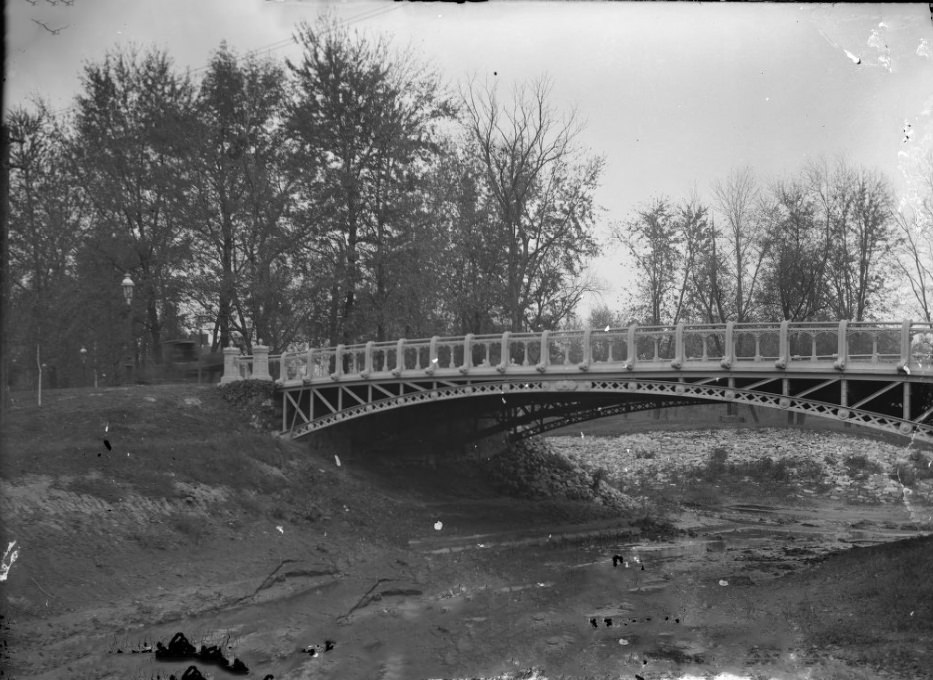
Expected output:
{"points": [[155, 329]]}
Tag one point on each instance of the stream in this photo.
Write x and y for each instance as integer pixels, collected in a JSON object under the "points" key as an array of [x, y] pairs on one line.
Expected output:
{"points": [[585, 603]]}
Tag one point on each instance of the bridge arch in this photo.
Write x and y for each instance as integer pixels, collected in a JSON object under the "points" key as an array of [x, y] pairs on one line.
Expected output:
{"points": [[572, 395]]}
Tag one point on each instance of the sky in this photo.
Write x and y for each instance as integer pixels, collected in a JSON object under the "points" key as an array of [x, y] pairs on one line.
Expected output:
{"points": [[674, 95]]}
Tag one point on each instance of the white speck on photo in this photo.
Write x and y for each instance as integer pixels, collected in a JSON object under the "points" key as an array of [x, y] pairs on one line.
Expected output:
{"points": [[9, 557]]}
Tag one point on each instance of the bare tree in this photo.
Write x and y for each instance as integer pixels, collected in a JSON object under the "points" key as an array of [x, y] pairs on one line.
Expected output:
{"points": [[915, 252], [651, 238], [738, 201], [541, 185], [793, 277], [854, 206]]}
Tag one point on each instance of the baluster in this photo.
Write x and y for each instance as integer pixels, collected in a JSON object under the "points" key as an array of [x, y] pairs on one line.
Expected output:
{"points": [[525, 353], [874, 348], [656, 338], [813, 347], [757, 346]]}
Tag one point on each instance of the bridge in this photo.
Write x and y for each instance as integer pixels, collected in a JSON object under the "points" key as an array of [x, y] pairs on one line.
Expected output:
{"points": [[877, 375]]}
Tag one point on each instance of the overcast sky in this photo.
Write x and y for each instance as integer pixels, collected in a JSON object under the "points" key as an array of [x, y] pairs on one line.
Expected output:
{"points": [[675, 95]]}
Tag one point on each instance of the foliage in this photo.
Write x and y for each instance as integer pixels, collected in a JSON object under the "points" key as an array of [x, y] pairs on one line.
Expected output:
{"points": [[240, 206], [253, 398], [671, 246], [128, 157], [349, 196], [364, 118], [859, 465], [529, 468], [810, 247], [539, 187], [46, 230], [914, 223]]}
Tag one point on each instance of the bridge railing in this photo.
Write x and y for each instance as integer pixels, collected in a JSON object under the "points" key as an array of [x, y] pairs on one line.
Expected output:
{"points": [[904, 346], [877, 342]]}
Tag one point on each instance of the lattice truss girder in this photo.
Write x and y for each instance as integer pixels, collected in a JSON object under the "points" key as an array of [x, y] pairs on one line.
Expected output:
{"points": [[527, 420], [310, 408]]}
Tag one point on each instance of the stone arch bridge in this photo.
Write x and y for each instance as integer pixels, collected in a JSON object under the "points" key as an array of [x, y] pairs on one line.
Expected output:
{"points": [[877, 375]]}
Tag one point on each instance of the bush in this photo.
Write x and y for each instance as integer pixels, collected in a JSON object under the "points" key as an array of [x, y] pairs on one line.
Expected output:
{"points": [[530, 469], [255, 399], [905, 473], [858, 465], [716, 463]]}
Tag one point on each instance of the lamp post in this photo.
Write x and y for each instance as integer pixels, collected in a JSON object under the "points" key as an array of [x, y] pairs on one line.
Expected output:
{"points": [[128, 296], [83, 366]]}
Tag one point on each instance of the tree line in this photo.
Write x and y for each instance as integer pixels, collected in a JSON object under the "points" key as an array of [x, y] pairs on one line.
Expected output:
{"points": [[830, 242], [347, 195]]}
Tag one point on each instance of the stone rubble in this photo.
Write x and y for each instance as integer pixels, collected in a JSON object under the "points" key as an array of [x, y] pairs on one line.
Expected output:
{"points": [[852, 467]]}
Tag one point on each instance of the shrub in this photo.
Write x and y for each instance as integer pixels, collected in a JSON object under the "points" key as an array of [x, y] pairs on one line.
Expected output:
{"points": [[716, 463], [859, 465], [905, 473], [255, 399], [530, 469]]}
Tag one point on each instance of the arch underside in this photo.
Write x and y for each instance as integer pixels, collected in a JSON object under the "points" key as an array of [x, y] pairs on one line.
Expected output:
{"points": [[534, 406]]}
